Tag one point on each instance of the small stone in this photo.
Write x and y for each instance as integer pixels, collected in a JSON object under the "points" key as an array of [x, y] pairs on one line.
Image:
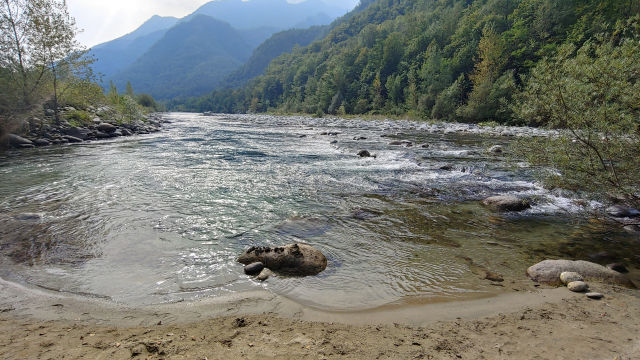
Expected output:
{"points": [[264, 274], [578, 286], [253, 268], [569, 276], [618, 267], [495, 277], [364, 153], [595, 295], [496, 149]]}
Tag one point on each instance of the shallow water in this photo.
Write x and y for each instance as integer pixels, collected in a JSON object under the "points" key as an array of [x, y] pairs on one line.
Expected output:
{"points": [[163, 217]]}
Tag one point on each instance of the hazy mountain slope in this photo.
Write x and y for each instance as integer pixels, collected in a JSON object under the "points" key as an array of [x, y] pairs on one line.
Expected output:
{"points": [[190, 59], [273, 13], [114, 56]]}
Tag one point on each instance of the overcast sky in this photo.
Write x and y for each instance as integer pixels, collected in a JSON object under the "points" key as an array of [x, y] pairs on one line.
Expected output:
{"points": [[104, 20]]}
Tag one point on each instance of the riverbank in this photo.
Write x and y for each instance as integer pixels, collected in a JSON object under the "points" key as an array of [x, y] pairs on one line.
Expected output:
{"points": [[538, 324], [78, 126]]}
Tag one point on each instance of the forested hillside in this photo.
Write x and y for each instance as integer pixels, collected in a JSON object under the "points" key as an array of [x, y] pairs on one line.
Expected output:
{"points": [[192, 57], [454, 59]]}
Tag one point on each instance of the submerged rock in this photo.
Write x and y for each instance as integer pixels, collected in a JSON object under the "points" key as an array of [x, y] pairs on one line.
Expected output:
{"points": [[294, 259], [577, 286], [506, 203], [496, 149], [548, 272], [620, 211]]}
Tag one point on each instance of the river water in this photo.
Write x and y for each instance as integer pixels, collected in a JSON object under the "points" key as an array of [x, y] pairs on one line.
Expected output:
{"points": [[162, 218]]}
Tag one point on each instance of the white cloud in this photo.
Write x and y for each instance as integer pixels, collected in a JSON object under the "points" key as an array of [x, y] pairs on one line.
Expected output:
{"points": [[104, 20]]}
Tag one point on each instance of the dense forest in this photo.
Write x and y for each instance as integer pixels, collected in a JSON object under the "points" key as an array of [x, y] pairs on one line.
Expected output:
{"points": [[456, 60]]}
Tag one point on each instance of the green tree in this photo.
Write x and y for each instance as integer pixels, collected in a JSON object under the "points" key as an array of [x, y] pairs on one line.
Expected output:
{"points": [[130, 90], [594, 94]]}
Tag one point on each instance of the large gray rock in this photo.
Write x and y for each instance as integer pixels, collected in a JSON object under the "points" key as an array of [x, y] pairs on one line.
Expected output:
{"points": [[72, 139], [42, 142], [80, 133], [106, 128], [17, 141], [549, 271], [294, 259], [506, 203]]}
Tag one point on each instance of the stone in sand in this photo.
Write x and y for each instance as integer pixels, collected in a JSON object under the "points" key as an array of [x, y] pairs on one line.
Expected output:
{"points": [[569, 276], [294, 259], [549, 271], [577, 286], [595, 295], [253, 268], [506, 203]]}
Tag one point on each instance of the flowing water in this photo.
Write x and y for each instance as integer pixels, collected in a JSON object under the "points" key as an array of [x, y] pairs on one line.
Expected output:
{"points": [[163, 217]]}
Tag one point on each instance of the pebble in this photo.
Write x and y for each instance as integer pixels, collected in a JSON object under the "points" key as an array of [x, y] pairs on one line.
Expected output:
{"points": [[577, 286], [595, 295], [569, 276], [253, 268]]}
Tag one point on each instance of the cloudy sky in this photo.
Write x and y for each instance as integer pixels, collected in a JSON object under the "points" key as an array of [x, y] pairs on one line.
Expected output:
{"points": [[104, 20]]}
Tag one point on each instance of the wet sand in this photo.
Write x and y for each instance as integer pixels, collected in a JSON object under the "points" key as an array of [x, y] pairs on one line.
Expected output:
{"points": [[534, 323]]}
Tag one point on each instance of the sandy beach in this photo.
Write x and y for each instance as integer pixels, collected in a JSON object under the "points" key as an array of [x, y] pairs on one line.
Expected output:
{"points": [[535, 323]]}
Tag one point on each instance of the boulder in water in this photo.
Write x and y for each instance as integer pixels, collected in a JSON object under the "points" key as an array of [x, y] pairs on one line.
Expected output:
{"points": [[294, 259], [548, 272], [253, 268], [364, 154], [507, 203]]}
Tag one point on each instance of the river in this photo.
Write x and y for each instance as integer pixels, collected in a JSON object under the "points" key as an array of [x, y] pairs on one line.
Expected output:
{"points": [[162, 218]]}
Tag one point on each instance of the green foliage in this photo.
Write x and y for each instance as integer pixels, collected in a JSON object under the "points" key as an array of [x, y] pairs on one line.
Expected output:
{"points": [[594, 93], [78, 118], [459, 60]]}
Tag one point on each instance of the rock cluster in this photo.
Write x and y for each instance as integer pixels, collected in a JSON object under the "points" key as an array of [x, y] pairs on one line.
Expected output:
{"points": [[550, 271], [294, 259], [48, 133]]}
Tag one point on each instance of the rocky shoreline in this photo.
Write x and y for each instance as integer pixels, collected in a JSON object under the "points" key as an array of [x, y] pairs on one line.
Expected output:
{"points": [[48, 132]]}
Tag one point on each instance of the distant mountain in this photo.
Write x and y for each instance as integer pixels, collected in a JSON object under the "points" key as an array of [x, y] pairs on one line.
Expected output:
{"points": [[116, 55], [278, 44], [170, 57], [191, 58], [273, 13]]}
